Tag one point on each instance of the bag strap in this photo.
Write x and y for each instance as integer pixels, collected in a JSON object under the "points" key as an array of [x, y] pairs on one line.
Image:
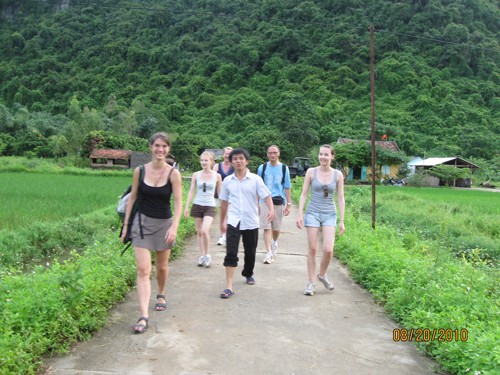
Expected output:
{"points": [[169, 173], [264, 166], [283, 172], [139, 198], [125, 248]]}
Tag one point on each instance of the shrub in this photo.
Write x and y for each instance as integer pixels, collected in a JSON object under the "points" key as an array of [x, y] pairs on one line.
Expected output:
{"points": [[423, 286]]}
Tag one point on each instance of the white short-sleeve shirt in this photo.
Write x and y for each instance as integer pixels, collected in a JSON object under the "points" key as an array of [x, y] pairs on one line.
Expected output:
{"points": [[243, 198]]}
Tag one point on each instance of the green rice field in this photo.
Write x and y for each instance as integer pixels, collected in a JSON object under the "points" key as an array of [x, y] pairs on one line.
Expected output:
{"points": [[41, 197], [483, 201]]}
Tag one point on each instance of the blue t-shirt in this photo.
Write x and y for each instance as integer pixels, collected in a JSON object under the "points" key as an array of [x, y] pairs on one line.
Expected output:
{"points": [[273, 177]]}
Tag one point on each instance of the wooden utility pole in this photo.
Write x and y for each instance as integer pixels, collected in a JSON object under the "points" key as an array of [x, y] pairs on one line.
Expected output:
{"points": [[372, 76]]}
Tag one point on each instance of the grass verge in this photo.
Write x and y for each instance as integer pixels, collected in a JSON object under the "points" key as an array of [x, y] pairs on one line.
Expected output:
{"points": [[47, 309], [422, 277]]}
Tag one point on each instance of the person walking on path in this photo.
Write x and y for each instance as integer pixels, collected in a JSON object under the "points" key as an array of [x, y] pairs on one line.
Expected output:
{"points": [[224, 168], [321, 212], [239, 201], [153, 227], [276, 177], [204, 184]]}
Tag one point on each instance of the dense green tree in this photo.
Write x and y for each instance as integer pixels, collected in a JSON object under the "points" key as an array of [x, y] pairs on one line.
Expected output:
{"points": [[6, 120], [30, 141], [449, 174], [7, 143], [186, 150], [221, 69], [351, 155]]}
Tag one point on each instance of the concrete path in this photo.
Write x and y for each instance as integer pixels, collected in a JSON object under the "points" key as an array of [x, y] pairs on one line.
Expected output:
{"points": [[268, 328]]}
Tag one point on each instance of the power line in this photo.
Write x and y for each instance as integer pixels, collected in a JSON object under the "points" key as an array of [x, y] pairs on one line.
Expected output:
{"points": [[437, 40], [206, 13]]}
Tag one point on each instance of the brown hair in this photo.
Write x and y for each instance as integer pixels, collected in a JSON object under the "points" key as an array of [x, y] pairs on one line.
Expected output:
{"points": [[161, 135], [330, 147]]}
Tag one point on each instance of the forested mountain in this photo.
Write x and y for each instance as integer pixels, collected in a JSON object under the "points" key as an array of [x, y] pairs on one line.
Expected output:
{"points": [[250, 72]]}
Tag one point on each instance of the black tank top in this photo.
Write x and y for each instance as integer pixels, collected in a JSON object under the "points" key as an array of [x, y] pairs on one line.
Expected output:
{"points": [[155, 201]]}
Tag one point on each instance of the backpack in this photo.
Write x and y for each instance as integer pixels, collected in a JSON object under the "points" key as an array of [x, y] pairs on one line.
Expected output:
{"points": [[122, 207], [283, 165]]}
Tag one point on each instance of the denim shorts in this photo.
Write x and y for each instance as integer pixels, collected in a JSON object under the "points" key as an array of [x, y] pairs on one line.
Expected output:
{"points": [[320, 219]]}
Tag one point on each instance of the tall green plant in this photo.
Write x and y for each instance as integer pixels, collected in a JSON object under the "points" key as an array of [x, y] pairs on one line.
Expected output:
{"points": [[449, 174]]}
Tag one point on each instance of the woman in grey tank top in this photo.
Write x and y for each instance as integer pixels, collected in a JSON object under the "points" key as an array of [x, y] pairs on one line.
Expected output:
{"points": [[321, 212]]}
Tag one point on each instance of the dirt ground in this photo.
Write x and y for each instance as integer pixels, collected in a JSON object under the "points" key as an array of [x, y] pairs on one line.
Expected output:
{"points": [[267, 328]]}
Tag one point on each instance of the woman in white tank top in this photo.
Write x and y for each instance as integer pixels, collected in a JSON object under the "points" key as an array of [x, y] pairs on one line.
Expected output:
{"points": [[204, 183]]}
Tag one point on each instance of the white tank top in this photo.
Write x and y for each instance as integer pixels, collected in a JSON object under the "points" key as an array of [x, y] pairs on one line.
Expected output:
{"points": [[205, 191]]}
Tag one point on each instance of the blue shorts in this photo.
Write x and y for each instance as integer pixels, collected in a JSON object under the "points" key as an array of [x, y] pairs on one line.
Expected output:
{"points": [[320, 219]]}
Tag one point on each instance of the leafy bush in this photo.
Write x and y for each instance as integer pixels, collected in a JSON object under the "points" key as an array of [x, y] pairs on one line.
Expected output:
{"points": [[424, 287], [448, 173], [42, 241], [71, 300]]}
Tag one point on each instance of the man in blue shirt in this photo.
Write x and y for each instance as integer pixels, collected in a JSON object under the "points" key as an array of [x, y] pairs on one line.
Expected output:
{"points": [[239, 200], [276, 177]]}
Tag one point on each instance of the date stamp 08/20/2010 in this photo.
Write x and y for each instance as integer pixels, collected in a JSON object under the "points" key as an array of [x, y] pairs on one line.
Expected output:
{"points": [[430, 334]]}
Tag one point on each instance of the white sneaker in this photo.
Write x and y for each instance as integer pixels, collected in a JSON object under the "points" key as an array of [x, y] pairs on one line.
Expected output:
{"points": [[268, 259], [327, 283], [201, 261], [274, 247], [208, 260], [309, 289], [222, 240]]}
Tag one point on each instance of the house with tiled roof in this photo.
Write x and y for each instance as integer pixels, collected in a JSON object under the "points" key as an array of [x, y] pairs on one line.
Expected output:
{"points": [[107, 158]]}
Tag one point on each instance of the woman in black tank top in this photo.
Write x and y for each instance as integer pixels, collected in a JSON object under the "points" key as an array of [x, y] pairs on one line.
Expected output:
{"points": [[224, 168], [154, 227]]}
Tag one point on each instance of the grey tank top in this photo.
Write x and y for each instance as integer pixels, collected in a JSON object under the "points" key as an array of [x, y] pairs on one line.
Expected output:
{"points": [[318, 201]]}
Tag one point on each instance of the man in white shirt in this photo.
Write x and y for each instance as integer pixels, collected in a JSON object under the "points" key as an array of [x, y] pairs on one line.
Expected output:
{"points": [[239, 199]]}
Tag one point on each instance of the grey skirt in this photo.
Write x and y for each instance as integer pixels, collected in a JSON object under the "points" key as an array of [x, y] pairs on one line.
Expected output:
{"points": [[154, 231]]}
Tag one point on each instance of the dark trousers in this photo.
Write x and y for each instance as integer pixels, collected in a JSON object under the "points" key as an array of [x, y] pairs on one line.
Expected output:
{"points": [[250, 241]]}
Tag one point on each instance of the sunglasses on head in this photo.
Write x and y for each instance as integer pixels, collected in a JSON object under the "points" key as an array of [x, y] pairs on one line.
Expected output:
{"points": [[204, 187], [325, 190]]}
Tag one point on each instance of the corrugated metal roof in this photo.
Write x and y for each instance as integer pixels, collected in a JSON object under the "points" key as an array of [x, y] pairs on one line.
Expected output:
{"points": [[431, 162]]}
